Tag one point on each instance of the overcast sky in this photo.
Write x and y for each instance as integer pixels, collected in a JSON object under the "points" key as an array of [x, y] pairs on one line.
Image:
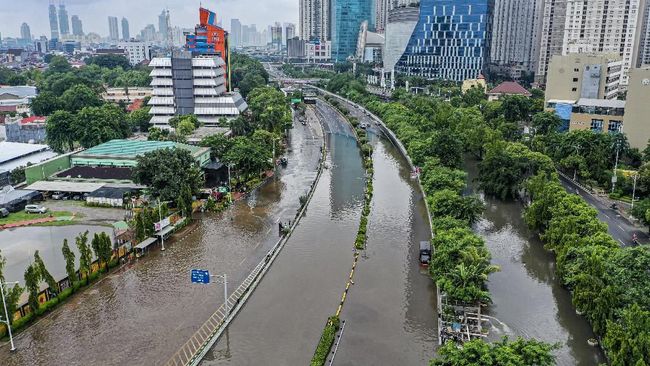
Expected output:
{"points": [[183, 13]]}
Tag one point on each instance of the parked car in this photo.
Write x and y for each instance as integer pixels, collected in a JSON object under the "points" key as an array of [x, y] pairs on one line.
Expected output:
{"points": [[35, 209], [4, 212], [425, 252], [58, 196]]}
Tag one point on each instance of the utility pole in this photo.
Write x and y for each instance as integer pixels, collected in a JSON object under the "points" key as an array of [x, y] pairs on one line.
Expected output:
{"points": [[162, 237], [636, 176], [229, 185], [7, 321]]}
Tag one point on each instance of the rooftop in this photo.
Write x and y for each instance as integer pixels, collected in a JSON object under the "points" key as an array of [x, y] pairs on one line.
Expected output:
{"points": [[19, 91], [607, 103], [14, 150], [126, 149], [59, 186], [510, 87]]}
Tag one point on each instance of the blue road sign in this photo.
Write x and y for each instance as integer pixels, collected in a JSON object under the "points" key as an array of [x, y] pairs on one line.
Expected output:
{"points": [[200, 276]]}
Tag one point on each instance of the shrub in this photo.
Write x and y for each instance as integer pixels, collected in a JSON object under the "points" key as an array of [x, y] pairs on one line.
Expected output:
{"points": [[326, 341], [17, 324], [366, 149], [65, 294], [93, 276]]}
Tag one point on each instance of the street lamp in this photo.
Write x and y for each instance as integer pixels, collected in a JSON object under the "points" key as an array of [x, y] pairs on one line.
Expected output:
{"points": [[636, 176], [229, 184], [7, 320], [615, 177]]}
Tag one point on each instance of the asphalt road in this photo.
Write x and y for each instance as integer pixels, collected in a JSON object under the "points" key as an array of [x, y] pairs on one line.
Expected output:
{"points": [[619, 227]]}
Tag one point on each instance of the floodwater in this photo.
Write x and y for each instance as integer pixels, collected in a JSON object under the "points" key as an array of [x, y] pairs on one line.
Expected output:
{"points": [[390, 311], [283, 319], [528, 299], [144, 312], [19, 244]]}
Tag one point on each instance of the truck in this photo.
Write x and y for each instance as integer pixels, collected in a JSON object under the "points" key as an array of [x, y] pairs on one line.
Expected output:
{"points": [[425, 253]]}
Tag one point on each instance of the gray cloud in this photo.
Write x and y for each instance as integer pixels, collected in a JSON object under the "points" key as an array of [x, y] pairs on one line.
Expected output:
{"points": [[184, 13]]}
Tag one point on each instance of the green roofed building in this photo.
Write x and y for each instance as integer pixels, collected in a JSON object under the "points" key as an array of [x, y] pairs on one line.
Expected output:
{"points": [[124, 153]]}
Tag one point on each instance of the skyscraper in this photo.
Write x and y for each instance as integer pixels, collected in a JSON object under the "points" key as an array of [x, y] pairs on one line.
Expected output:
{"points": [[235, 33], [64, 25], [347, 16], [77, 26], [289, 31], [315, 19], [516, 34], [163, 24], [276, 36], [644, 40], [113, 29], [54, 23], [125, 29], [451, 40], [25, 32], [381, 14]]}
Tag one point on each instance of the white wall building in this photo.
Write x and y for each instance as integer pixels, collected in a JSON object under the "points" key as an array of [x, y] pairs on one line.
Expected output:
{"points": [[318, 52], [136, 52], [314, 19]]}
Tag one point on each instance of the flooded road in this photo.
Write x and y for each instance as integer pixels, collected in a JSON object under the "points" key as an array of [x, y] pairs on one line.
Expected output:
{"points": [[143, 313], [390, 312], [283, 319], [19, 244], [528, 297]]}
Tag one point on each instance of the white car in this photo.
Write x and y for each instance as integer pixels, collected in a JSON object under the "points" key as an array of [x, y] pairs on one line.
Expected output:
{"points": [[35, 209]]}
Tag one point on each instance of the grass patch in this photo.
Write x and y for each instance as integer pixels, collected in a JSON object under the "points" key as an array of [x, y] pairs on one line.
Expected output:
{"points": [[23, 216], [326, 341]]}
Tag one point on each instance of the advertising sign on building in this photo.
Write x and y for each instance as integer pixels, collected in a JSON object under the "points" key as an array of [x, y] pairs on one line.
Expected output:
{"points": [[161, 224]]}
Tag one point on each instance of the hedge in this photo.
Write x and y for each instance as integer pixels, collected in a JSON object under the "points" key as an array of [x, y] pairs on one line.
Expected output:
{"points": [[326, 341]]}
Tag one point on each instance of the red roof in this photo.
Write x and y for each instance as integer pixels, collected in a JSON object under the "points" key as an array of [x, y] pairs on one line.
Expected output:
{"points": [[137, 104], [510, 87], [33, 119]]}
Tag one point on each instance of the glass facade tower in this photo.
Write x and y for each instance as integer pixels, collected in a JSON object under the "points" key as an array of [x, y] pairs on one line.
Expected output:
{"points": [[451, 40], [347, 16]]}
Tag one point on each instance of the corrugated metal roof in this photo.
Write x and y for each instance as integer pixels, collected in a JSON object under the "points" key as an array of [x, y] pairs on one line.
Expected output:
{"points": [[61, 186], [20, 91], [14, 150], [130, 148]]}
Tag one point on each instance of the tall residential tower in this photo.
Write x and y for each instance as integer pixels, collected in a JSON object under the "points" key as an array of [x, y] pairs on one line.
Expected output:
{"points": [[315, 19], [64, 24], [54, 22]]}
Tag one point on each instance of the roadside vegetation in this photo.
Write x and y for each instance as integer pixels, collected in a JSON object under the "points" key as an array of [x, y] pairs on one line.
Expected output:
{"points": [[609, 284], [23, 216]]}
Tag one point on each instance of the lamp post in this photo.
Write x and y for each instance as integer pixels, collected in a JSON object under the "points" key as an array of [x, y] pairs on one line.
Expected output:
{"points": [[162, 237], [7, 320], [229, 184], [224, 277], [615, 177], [636, 176]]}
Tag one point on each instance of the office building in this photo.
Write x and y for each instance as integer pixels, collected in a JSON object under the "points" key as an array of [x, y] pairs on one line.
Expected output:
{"points": [[451, 40], [126, 36], [637, 109], [191, 84], [318, 52], [163, 24], [598, 115], [136, 52], [516, 30], [40, 45], [113, 29], [295, 49], [370, 45], [315, 19], [235, 33], [148, 34], [25, 32], [400, 24], [208, 37], [590, 76], [64, 24], [77, 26], [54, 22], [347, 16]]}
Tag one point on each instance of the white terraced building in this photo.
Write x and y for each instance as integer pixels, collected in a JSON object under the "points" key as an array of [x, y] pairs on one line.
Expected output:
{"points": [[186, 84]]}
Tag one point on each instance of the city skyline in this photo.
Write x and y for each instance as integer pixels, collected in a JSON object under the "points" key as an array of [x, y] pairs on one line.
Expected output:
{"points": [[181, 14]]}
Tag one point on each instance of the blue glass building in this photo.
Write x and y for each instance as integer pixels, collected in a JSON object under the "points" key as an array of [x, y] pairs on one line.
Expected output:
{"points": [[347, 16], [450, 42]]}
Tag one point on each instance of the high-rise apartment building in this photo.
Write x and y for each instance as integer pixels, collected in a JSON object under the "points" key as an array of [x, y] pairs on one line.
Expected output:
{"points": [[54, 22], [451, 40], [276, 36], [235, 33], [113, 29], [136, 52], [289, 31], [77, 26], [25, 32], [347, 16], [315, 19], [125, 30], [191, 84], [163, 24], [588, 26], [64, 24], [516, 30], [148, 34], [644, 36], [381, 14]]}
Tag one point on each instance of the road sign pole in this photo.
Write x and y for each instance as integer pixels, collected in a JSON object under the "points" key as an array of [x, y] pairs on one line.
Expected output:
{"points": [[225, 293]]}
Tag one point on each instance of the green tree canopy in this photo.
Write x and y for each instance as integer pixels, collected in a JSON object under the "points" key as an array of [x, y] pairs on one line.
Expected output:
{"points": [[167, 171]]}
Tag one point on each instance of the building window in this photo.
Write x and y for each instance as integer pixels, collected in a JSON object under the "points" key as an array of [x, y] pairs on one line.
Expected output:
{"points": [[597, 125], [615, 126], [574, 89], [575, 80]]}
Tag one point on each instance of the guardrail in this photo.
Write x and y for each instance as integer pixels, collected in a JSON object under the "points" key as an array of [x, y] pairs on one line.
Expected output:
{"points": [[193, 351]]}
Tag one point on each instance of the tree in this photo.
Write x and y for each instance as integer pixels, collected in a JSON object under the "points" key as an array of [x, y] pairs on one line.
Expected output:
{"points": [[109, 61], [17, 175], [68, 255], [546, 122], [185, 127], [270, 109], [78, 97], [167, 171], [45, 103], [139, 119], [218, 143], [628, 341], [61, 133], [32, 280], [58, 64], [477, 352], [96, 125], [11, 294], [85, 254], [45, 275], [102, 247], [449, 203], [247, 156]]}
